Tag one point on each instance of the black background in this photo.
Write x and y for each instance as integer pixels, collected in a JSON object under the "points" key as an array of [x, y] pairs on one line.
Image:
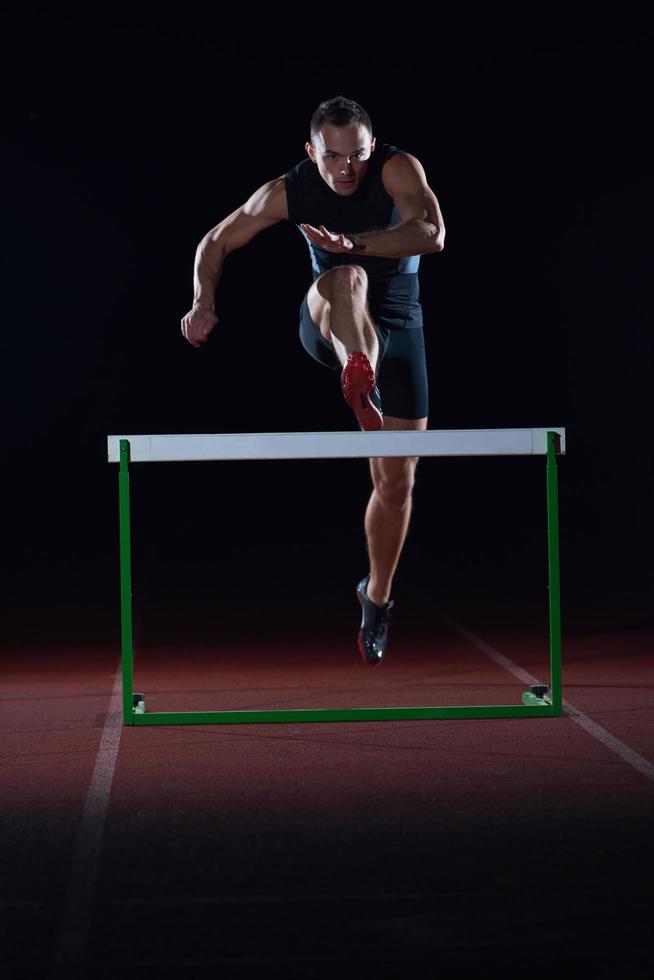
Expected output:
{"points": [[130, 134]]}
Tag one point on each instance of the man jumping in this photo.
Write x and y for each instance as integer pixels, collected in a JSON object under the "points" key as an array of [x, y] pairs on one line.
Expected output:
{"points": [[367, 216]]}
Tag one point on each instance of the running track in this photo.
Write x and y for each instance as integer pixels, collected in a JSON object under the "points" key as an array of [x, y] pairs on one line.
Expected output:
{"points": [[369, 849]]}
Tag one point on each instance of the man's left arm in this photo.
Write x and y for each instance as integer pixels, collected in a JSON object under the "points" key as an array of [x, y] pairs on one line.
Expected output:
{"points": [[421, 230]]}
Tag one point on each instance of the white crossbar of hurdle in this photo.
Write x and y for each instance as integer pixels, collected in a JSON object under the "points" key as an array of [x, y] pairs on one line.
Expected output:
{"points": [[334, 445], [543, 699]]}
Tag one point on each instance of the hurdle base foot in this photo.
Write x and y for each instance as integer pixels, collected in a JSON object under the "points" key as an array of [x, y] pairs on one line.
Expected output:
{"points": [[528, 697]]}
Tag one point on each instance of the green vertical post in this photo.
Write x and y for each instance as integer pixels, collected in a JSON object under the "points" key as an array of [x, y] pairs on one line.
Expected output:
{"points": [[553, 439], [125, 584]]}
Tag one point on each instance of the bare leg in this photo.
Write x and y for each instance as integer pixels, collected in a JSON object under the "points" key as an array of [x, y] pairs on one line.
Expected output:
{"points": [[337, 303], [389, 512]]}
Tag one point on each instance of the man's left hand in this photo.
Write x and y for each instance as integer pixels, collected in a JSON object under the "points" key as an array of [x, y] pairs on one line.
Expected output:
{"points": [[328, 240]]}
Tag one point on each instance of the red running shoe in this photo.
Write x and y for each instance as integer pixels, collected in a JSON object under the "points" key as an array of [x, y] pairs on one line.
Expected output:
{"points": [[360, 391]]}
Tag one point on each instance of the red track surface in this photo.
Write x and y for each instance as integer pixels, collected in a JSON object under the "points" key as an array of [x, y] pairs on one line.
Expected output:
{"points": [[378, 849]]}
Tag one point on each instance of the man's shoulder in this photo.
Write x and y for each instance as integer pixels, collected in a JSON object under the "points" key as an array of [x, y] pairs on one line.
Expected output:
{"points": [[299, 169], [393, 156], [391, 159], [399, 169], [388, 151]]}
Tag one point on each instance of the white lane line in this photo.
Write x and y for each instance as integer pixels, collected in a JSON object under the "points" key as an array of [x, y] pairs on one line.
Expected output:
{"points": [[627, 754], [70, 947]]}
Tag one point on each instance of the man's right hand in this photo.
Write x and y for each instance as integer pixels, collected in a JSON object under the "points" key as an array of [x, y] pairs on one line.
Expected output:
{"points": [[198, 324]]}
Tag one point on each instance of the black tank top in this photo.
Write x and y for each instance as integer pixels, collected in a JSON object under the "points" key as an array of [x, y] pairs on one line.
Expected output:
{"points": [[312, 201]]}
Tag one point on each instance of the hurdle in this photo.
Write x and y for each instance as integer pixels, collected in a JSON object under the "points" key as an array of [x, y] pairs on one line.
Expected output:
{"points": [[542, 700]]}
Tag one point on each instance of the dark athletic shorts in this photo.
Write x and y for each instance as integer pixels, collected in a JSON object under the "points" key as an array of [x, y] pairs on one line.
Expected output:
{"points": [[401, 369]]}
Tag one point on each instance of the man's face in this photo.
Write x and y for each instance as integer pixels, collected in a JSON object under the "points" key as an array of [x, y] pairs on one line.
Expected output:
{"points": [[342, 154]]}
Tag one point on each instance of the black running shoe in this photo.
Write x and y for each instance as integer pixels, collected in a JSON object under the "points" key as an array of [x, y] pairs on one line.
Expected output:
{"points": [[373, 635]]}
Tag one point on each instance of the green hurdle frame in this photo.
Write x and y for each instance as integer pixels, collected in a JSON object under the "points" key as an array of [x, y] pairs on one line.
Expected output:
{"points": [[542, 700]]}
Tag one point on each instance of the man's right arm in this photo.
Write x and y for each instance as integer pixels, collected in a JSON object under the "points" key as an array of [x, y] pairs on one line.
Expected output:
{"points": [[266, 207]]}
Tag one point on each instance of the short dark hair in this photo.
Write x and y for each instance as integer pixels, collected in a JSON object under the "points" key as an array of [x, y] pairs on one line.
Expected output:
{"points": [[340, 112]]}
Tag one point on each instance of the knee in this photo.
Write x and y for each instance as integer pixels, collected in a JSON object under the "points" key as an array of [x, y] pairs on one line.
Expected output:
{"points": [[349, 280], [394, 480], [395, 491]]}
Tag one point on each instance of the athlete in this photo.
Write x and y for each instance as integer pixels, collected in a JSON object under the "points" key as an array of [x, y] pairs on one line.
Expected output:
{"points": [[367, 215]]}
